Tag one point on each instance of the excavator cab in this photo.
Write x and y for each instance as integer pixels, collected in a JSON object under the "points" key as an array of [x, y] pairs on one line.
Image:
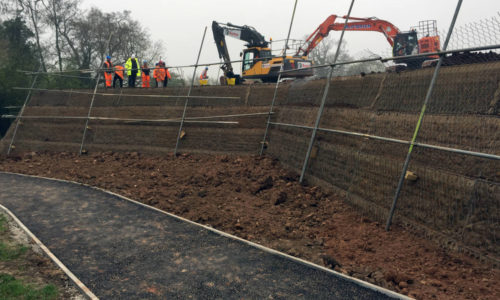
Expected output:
{"points": [[405, 43], [252, 56]]}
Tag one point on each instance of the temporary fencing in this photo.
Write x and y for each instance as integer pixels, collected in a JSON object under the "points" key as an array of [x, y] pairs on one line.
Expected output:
{"points": [[423, 143]]}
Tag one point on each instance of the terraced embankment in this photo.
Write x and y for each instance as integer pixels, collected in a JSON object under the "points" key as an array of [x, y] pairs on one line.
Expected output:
{"points": [[455, 199]]}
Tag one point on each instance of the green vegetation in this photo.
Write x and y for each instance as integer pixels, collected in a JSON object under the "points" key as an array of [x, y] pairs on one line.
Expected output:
{"points": [[12, 256], [16, 52], [8, 252], [3, 221], [11, 288]]}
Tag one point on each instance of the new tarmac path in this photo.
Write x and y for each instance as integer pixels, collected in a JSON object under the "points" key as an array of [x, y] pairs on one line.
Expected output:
{"points": [[121, 249]]}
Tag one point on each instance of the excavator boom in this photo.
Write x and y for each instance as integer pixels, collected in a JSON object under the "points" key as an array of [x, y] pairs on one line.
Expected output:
{"points": [[360, 24]]}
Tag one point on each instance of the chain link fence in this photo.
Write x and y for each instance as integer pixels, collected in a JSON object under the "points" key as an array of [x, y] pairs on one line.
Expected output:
{"points": [[483, 32]]}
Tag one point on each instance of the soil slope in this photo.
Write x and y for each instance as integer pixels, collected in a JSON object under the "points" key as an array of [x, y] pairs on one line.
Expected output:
{"points": [[254, 198]]}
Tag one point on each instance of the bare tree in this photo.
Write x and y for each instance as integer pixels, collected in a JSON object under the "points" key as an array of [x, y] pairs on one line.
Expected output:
{"points": [[31, 9], [81, 39], [324, 53], [58, 13], [366, 67], [87, 38], [155, 51]]}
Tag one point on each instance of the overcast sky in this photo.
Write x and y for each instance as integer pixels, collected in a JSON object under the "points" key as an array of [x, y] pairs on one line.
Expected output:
{"points": [[180, 24]]}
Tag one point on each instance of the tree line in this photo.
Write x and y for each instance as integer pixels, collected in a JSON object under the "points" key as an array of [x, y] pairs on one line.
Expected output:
{"points": [[59, 35], [67, 37]]}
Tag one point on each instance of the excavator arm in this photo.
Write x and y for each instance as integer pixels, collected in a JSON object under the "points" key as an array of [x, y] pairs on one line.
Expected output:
{"points": [[244, 33], [360, 24], [220, 42]]}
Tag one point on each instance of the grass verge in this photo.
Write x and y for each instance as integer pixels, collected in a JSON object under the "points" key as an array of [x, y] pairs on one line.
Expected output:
{"points": [[13, 261], [11, 288]]}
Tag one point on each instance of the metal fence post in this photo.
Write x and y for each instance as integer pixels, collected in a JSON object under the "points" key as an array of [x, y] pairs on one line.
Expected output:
{"points": [[421, 117], [88, 114], [323, 100], [20, 115], [189, 93], [119, 97], [93, 98], [282, 68]]}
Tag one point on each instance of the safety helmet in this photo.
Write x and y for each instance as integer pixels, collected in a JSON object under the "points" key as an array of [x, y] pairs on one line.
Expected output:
{"points": [[206, 68], [145, 61], [133, 56], [108, 57]]}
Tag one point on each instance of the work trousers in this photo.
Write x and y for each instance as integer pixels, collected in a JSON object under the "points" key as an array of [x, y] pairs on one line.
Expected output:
{"points": [[119, 79], [145, 80], [131, 80], [108, 77]]}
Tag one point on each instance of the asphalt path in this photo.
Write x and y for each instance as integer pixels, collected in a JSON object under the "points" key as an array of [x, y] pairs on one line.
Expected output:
{"points": [[123, 250]]}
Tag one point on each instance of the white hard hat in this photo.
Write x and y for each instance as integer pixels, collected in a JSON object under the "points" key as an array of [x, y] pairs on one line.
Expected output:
{"points": [[133, 55]]}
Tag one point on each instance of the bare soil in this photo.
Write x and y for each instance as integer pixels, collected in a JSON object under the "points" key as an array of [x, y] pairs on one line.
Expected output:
{"points": [[29, 264], [256, 199]]}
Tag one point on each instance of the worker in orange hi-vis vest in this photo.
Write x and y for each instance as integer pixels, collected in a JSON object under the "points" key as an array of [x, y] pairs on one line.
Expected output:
{"points": [[160, 74], [108, 71], [119, 75], [204, 74], [146, 78]]}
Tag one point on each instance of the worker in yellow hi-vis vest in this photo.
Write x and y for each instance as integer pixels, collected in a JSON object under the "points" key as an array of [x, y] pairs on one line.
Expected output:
{"points": [[133, 70]]}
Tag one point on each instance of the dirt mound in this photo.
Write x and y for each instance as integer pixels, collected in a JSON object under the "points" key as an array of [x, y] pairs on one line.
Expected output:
{"points": [[254, 198]]}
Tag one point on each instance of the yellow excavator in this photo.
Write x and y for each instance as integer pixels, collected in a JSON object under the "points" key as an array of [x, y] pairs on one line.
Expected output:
{"points": [[258, 60]]}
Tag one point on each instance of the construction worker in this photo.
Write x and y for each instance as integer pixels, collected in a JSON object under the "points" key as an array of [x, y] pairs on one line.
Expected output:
{"points": [[167, 75], [145, 75], [204, 74], [108, 71], [133, 70], [159, 74], [119, 75]]}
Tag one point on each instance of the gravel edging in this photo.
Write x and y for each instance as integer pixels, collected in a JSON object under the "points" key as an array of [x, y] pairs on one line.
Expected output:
{"points": [[23, 235]]}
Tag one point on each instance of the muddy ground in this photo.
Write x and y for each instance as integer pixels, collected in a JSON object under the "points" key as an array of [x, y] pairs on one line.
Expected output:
{"points": [[256, 199]]}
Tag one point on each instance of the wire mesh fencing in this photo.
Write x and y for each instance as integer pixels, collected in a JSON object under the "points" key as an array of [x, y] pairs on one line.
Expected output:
{"points": [[216, 119], [451, 189], [483, 32]]}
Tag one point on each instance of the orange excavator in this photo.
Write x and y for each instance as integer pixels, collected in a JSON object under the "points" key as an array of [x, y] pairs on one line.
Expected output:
{"points": [[403, 43]]}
